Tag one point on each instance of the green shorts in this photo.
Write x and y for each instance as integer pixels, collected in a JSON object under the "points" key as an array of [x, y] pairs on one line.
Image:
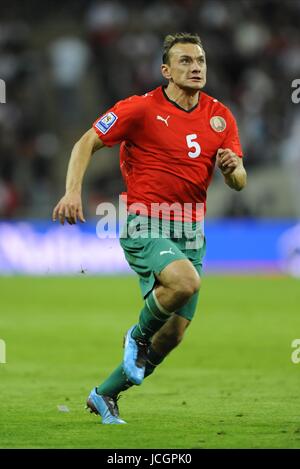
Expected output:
{"points": [[151, 244]]}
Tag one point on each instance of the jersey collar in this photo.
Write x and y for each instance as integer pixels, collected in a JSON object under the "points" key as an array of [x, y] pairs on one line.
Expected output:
{"points": [[177, 105]]}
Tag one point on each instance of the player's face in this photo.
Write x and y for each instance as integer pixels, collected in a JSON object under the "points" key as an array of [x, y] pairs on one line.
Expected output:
{"points": [[187, 67]]}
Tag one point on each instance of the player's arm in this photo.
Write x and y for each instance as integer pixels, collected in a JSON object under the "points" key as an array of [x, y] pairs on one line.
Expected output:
{"points": [[232, 168], [70, 205]]}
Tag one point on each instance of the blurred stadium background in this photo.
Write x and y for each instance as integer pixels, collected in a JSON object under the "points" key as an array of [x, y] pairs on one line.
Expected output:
{"points": [[66, 63]]}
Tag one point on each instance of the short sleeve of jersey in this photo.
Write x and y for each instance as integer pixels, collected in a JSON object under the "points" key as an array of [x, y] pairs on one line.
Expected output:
{"points": [[120, 122], [232, 139]]}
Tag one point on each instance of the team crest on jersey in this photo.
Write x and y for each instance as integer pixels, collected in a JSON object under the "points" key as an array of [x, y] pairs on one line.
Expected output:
{"points": [[218, 123], [106, 122]]}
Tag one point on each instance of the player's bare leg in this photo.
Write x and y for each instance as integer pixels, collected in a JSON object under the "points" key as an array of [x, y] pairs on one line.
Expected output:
{"points": [[169, 335], [178, 282]]}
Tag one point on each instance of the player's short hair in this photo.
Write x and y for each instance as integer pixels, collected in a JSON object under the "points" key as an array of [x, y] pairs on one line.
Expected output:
{"points": [[183, 38]]}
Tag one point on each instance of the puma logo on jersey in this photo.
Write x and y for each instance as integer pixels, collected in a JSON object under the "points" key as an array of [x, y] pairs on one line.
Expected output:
{"points": [[159, 118], [167, 252]]}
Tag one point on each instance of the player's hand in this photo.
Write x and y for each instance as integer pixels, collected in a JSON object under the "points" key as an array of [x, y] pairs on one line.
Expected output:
{"points": [[69, 208], [227, 160]]}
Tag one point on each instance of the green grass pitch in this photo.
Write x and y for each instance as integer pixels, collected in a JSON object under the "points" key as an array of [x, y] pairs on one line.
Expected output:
{"points": [[230, 384]]}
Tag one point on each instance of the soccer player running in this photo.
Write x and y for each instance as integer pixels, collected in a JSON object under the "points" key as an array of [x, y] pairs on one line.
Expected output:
{"points": [[171, 138]]}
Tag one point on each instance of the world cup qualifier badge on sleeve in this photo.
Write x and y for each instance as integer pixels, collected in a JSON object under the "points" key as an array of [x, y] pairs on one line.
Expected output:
{"points": [[106, 122]]}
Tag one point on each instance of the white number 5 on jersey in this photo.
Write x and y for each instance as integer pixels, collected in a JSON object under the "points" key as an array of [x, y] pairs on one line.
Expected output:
{"points": [[192, 144]]}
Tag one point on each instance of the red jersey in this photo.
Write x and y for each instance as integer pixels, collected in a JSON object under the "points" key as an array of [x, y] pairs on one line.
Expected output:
{"points": [[168, 154]]}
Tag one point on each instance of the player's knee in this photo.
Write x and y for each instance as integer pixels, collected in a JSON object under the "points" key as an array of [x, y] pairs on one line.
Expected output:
{"points": [[188, 285]]}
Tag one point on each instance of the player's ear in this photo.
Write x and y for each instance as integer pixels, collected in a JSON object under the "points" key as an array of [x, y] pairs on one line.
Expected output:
{"points": [[165, 70]]}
